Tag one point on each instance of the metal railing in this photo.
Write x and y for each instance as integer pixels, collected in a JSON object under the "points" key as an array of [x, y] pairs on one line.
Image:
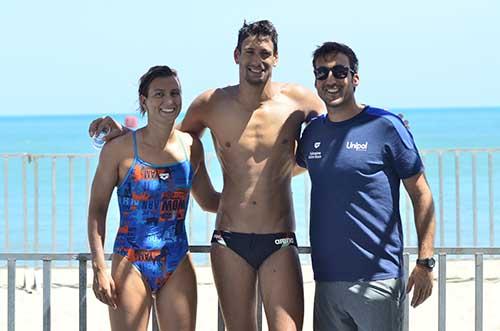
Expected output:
{"points": [[55, 204], [462, 180], [47, 259], [454, 156]]}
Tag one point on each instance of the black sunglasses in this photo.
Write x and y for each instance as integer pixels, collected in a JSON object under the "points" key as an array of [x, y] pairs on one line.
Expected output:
{"points": [[338, 71]]}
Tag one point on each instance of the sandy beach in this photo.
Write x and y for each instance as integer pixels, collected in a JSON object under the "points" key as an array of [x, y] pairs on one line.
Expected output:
{"points": [[459, 300]]}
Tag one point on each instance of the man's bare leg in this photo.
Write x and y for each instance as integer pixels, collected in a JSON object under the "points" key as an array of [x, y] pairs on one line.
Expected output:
{"points": [[176, 300], [134, 298], [280, 282], [235, 280]]}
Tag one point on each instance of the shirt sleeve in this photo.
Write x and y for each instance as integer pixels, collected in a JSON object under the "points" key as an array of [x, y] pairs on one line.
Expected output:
{"points": [[402, 151]]}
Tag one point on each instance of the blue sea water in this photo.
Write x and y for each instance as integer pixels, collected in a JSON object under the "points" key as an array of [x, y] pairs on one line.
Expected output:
{"points": [[62, 203]]}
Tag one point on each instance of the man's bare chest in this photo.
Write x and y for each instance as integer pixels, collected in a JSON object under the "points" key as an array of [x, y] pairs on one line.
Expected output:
{"points": [[264, 128]]}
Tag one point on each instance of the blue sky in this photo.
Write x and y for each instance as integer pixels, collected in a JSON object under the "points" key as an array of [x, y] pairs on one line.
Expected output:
{"points": [[65, 57]]}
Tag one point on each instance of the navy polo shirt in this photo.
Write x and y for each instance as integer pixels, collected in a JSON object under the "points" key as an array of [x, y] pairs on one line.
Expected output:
{"points": [[355, 168]]}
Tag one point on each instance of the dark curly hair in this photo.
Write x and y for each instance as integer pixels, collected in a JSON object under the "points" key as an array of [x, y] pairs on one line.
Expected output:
{"points": [[262, 28]]}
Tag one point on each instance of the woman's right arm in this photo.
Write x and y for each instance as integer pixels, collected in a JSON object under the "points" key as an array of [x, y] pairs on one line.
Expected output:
{"points": [[105, 179]]}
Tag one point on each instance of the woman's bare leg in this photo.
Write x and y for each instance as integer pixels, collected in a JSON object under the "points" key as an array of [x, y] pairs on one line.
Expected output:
{"points": [[176, 300], [133, 297]]}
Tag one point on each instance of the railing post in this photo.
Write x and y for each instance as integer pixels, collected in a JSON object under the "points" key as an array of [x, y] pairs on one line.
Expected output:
{"points": [[207, 226], [154, 318], [6, 201], [82, 292], [491, 199], [457, 197], [406, 315], [442, 292], [407, 218], [46, 293], [11, 296], [207, 214], [25, 204], [220, 319], [441, 201], [87, 181], [36, 204], [70, 205], [259, 308], [479, 292], [474, 197], [54, 205]]}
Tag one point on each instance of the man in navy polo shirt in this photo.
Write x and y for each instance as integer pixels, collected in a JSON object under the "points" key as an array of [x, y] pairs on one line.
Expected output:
{"points": [[357, 155]]}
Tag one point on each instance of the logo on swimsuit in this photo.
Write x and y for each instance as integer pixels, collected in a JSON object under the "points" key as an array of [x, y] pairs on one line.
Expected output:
{"points": [[357, 146], [164, 176], [219, 239], [317, 144], [284, 242], [143, 255]]}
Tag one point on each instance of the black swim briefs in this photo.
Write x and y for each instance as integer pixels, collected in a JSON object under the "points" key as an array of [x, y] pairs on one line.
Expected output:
{"points": [[254, 248]]}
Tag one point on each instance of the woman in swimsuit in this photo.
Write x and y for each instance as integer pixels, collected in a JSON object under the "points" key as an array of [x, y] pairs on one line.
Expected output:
{"points": [[154, 169]]}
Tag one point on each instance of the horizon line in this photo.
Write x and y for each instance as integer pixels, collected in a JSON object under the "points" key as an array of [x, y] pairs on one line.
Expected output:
{"points": [[183, 112]]}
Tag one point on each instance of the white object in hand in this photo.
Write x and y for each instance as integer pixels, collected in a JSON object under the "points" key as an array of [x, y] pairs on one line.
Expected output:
{"points": [[98, 138]]}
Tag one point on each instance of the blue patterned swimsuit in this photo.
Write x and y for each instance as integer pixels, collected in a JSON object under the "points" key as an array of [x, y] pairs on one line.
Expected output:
{"points": [[153, 201]]}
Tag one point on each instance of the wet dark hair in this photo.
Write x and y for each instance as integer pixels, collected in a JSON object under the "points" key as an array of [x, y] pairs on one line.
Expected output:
{"points": [[149, 76], [334, 48], [262, 28]]}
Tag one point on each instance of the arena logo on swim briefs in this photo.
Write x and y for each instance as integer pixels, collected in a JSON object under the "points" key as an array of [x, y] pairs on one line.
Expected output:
{"points": [[357, 146], [284, 241]]}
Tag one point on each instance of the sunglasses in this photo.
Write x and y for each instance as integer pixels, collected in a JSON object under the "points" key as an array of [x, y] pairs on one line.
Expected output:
{"points": [[338, 71]]}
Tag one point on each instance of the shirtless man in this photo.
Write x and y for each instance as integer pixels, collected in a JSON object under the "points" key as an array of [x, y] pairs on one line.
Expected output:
{"points": [[254, 126]]}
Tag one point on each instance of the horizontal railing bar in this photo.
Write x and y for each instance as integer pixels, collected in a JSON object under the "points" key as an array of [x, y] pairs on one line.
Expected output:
{"points": [[49, 155], [206, 249], [459, 250], [467, 150], [87, 155]]}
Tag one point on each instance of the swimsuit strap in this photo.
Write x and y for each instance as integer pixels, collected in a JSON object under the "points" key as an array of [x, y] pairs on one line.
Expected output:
{"points": [[136, 153]]}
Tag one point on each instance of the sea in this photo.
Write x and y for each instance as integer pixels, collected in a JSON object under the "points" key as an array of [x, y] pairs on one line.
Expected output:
{"points": [[55, 219]]}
